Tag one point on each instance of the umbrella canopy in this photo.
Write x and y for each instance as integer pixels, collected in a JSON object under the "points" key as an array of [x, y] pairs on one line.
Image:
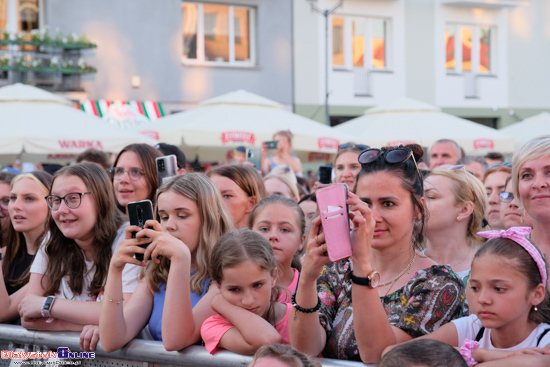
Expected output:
{"points": [[529, 128], [241, 118], [407, 121], [38, 126]]}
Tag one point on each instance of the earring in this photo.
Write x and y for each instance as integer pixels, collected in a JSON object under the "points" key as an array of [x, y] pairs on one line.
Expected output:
{"points": [[536, 309], [458, 217]]}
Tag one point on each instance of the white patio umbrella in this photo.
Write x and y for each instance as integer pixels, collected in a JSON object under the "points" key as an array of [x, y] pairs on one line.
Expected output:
{"points": [[410, 121], [38, 126], [241, 118], [529, 128]]}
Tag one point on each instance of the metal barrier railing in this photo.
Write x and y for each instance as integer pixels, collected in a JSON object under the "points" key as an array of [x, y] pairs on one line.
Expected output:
{"points": [[137, 353]]}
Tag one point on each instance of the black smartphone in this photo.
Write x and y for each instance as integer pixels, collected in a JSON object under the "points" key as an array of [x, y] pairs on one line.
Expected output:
{"points": [[254, 156], [325, 174], [167, 167], [272, 144], [140, 212]]}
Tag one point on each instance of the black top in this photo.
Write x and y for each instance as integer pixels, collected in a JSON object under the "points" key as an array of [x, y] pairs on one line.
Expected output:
{"points": [[19, 270]]}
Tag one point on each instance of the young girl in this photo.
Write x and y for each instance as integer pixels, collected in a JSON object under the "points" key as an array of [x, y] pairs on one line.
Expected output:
{"points": [[175, 290], [245, 271], [508, 302], [25, 232], [281, 221], [69, 271]]}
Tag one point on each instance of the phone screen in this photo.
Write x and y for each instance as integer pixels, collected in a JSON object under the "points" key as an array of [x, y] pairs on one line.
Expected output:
{"points": [[140, 212]]}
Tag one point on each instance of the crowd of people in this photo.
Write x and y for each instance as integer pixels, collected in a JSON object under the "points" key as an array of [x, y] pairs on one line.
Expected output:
{"points": [[448, 252]]}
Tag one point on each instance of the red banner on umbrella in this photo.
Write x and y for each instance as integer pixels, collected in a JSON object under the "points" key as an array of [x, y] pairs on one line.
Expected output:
{"points": [[238, 136]]}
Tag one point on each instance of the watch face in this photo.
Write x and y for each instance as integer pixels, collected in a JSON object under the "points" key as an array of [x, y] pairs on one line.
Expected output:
{"points": [[375, 279]]}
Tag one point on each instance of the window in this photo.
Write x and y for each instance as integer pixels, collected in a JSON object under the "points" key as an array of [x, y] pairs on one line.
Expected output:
{"points": [[469, 49], [359, 43], [3, 13], [218, 34]]}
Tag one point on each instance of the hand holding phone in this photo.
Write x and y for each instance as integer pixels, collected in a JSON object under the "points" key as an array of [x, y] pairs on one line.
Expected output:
{"points": [[140, 212], [335, 220], [272, 144]]}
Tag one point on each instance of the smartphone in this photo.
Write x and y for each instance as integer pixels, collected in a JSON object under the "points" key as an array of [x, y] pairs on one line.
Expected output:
{"points": [[254, 156], [335, 220], [272, 144], [167, 167], [140, 212], [325, 174]]}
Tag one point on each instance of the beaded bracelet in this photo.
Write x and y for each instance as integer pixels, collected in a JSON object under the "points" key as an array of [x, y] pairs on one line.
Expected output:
{"points": [[466, 351], [305, 310]]}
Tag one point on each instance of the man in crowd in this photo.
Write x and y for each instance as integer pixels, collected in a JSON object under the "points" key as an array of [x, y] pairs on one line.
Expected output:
{"points": [[476, 165], [444, 151]]}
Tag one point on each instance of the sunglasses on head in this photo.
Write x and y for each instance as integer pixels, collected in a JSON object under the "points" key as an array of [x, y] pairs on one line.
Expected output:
{"points": [[352, 145], [506, 164], [394, 156]]}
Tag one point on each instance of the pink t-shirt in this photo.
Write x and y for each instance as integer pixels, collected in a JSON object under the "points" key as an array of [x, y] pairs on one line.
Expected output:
{"points": [[216, 326], [286, 294]]}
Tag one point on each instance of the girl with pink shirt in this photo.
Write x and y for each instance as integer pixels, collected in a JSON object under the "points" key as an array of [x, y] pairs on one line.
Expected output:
{"points": [[248, 314]]}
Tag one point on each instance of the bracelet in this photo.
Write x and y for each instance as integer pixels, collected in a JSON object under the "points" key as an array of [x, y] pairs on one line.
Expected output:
{"points": [[466, 351], [305, 310], [111, 300]]}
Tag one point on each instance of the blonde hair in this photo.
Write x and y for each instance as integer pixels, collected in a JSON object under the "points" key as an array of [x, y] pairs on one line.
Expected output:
{"points": [[534, 149], [467, 188], [215, 221], [285, 170], [292, 187]]}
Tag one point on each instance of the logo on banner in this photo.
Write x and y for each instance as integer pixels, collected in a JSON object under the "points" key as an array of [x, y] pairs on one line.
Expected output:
{"points": [[484, 143], [124, 115], [151, 133], [325, 142], [240, 136], [80, 144], [316, 156]]}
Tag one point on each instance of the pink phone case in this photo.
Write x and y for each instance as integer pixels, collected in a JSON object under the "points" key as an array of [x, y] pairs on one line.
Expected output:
{"points": [[334, 216]]}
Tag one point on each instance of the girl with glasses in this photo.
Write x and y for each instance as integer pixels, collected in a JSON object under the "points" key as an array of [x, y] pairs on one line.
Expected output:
{"points": [[494, 181], [69, 271], [175, 294], [511, 215], [456, 203], [134, 174], [386, 292], [26, 231]]}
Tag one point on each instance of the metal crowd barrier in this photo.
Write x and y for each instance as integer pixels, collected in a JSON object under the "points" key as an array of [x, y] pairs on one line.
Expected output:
{"points": [[137, 353]]}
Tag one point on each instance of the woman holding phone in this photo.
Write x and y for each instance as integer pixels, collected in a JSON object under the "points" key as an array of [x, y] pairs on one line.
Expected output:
{"points": [[386, 292], [175, 290]]}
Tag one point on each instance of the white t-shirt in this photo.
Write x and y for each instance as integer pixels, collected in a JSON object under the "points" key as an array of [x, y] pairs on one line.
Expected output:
{"points": [[468, 327], [130, 274]]}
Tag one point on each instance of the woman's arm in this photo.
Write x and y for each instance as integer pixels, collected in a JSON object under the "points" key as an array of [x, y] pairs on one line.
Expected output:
{"points": [[250, 331], [306, 332], [519, 361], [120, 322]]}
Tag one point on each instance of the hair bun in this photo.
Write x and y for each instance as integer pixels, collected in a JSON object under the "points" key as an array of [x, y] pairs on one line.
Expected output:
{"points": [[417, 150]]}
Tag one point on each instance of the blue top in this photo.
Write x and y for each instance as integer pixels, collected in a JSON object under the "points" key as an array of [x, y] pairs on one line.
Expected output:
{"points": [[155, 321]]}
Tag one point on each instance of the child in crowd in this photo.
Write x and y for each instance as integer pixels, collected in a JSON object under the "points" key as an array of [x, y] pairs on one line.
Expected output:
{"points": [[509, 305], [282, 355], [25, 232], [245, 271], [281, 221], [175, 294], [69, 271]]}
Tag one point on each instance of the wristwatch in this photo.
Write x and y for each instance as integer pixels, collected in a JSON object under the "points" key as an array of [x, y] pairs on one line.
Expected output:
{"points": [[47, 306], [371, 280]]}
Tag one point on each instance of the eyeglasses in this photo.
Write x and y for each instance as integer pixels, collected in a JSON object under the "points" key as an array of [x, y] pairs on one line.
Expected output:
{"points": [[506, 164], [394, 156], [360, 147], [134, 173], [505, 197], [72, 200]]}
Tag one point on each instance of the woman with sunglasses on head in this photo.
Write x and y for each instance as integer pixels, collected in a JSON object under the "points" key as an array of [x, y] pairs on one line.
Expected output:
{"points": [[134, 174], [386, 292], [70, 269], [494, 181], [531, 184], [511, 215], [346, 166], [456, 203]]}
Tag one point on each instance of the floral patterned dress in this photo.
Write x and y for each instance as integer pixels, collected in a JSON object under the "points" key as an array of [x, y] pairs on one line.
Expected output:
{"points": [[433, 297]]}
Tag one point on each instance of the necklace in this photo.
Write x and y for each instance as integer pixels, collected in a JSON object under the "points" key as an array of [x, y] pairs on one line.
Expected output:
{"points": [[400, 274]]}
